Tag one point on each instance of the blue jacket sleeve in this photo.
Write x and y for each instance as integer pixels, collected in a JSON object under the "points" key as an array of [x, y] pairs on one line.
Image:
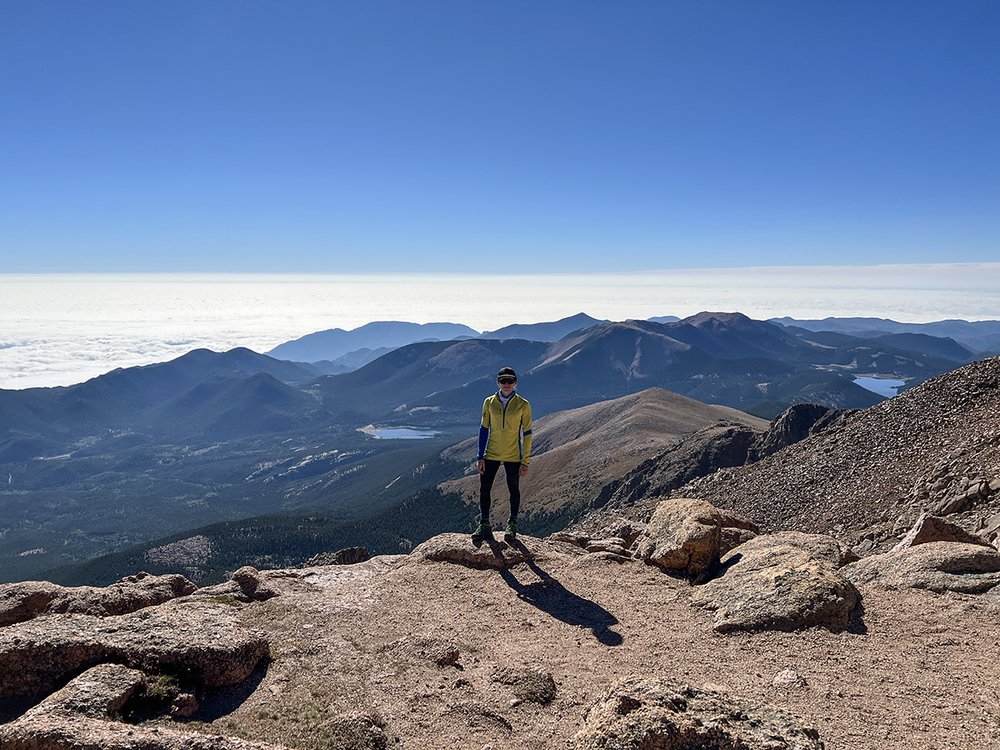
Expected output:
{"points": [[484, 434]]}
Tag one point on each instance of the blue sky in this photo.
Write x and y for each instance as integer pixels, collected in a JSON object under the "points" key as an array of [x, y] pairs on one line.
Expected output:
{"points": [[404, 136]]}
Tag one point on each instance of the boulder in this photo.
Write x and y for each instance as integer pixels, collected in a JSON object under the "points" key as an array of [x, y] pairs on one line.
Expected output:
{"points": [[685, 535], [990, 528], [528, 684], [951, 504], [199, 638], [98, 693], [624, 528], [443, 653], [80, 717], [658, 714], [777, 586], [244, 584], [930, 528], [731, 538], [23, 601], [457, 548], [935, 566], [614, 545], [817, 546], [789, 678], [864, 547], [566, 537]]}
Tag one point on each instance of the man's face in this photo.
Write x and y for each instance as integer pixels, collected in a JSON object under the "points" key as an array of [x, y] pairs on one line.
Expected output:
{"points": [[506, 384]]}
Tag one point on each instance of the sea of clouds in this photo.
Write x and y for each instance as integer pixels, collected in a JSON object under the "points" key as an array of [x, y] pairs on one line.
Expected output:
{"points": [[63, 329]]}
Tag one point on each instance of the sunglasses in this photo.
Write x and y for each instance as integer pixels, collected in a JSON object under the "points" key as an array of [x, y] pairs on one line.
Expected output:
{"points": [[506, 381]]}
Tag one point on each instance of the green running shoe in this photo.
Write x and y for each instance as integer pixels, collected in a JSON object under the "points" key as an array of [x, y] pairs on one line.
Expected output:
{"points": [[483, 531], [510, 532]]}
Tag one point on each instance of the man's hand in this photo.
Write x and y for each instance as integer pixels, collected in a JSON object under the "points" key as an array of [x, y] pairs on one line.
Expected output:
{"points": [[481, 466], [524, 470]]}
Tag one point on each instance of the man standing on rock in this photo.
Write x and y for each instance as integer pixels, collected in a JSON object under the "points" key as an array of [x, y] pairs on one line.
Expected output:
{"points": [[504, 438]]}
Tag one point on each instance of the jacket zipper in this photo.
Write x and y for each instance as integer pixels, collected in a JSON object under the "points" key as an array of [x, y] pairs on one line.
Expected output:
{"points": [[503, 411]]}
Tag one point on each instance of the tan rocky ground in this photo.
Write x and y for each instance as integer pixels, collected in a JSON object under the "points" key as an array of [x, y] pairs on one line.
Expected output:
{"points": [[412, 652], [926, 674]]}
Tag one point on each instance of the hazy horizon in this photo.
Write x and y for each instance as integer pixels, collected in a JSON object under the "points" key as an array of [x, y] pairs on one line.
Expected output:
{"points": [[60, 329]]}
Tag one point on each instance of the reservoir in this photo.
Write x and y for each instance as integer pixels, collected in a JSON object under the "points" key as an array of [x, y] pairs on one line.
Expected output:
{"points": [[882, 386], [397, 433]]}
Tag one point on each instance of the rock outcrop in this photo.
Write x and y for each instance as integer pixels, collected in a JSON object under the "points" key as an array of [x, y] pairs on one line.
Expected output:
{"points": [[496, 554], [935, 566], [699, 454], [198, 638], [685, 535], [244, 585], [818, 546], [646, 713], [713, 448], [989, 528], [81, 716], [784, 581], [934, 448], [795, 423], [930, 528], [24, 601]]}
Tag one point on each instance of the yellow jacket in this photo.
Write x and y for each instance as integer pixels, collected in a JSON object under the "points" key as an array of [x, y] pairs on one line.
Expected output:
{"points": [[505, 433]]}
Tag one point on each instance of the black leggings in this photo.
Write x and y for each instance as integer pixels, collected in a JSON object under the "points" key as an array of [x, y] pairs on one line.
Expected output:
{"points": [[513, 471]]}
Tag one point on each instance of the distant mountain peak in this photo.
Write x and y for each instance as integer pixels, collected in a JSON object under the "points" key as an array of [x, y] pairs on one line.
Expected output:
{"points": [[336, 342], [549, 331], [716, 319]]}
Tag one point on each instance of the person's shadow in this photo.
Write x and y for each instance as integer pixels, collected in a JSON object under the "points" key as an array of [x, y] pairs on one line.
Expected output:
{"points": [[556, 600]]}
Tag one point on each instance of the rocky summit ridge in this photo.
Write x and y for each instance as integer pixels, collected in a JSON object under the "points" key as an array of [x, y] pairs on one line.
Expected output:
{"points": [[692, 631], [871, 474]]}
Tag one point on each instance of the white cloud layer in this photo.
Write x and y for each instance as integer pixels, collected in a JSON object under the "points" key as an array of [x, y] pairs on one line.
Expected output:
{"points": [[63, 329]]}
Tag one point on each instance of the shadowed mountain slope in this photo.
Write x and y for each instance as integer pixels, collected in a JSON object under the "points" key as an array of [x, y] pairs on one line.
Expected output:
{"points": [[133, 398], [227, 408], [933, 346]]}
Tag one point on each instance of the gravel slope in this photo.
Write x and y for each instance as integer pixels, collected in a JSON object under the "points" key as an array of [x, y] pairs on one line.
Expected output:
{"points": [[876, 470]]}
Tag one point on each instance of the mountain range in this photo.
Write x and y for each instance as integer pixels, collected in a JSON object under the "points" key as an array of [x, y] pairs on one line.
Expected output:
{"points": [[337, 350], [980, 337], [214, 437], [722, 358]]}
